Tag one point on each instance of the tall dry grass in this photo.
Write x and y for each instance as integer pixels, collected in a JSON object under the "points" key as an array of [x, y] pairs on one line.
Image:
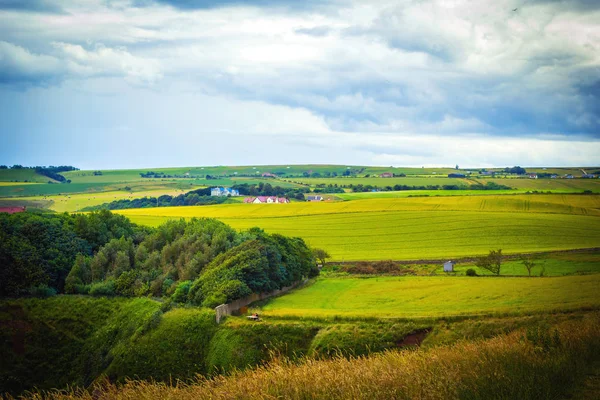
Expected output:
{"points": [[541, 364]]}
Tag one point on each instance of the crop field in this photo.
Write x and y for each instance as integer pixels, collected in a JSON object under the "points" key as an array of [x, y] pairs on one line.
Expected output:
{"points": [[419, 193], [415, 228], [436, 296], [78, 201], [573, 185], [383, 182], [556, 204]]}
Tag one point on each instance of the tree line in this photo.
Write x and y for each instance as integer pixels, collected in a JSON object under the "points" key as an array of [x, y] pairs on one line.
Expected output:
{"points": [[477, 186]]}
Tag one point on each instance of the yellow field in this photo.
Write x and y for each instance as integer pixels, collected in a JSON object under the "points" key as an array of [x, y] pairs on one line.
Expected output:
{"points": [[415, 228], [556, 204]]}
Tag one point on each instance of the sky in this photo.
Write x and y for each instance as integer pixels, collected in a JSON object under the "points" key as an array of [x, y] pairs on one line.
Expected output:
{"points": [[102, 84]]}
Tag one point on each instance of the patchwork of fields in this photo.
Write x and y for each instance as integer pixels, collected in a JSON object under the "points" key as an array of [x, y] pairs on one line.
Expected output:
{"points": [[415, 297], [415, 228]]}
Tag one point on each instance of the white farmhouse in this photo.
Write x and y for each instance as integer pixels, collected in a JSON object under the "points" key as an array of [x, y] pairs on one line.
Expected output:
{"points": [[219, 191], [449, 266]]}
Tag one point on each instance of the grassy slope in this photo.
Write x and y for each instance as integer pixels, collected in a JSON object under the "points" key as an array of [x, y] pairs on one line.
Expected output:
{"points": [[21, 175], [436, 296], [415, 228], [547, 365]]}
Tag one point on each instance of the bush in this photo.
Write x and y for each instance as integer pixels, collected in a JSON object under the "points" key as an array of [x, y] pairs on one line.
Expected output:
{"points": [[181, 292], [471, 272], [106, 288], [42, 291]]}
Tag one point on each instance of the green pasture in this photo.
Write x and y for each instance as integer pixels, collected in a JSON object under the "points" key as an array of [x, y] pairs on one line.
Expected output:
{"points": [[435, 296], [78, 201], [431, 180], [419, 193], [564, 185], [22, 175], [554, 264]]}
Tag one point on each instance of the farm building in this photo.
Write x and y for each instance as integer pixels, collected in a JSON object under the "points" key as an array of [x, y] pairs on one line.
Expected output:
{"points": [[314, 198], [533, 176], [269, 175], [219, 191], [386, 175], [12, 210], [266, 200], [449, 266]]}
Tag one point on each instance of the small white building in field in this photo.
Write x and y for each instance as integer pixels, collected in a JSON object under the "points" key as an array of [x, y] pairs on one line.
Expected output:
{"points": [[219, 191], [449, 266]]}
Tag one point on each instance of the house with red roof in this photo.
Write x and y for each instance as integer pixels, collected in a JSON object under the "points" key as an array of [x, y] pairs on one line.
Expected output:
{"points": [[266, 200]]}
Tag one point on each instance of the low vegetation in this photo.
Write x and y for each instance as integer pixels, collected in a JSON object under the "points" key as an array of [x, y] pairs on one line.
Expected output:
{"points": [[540, 362]]}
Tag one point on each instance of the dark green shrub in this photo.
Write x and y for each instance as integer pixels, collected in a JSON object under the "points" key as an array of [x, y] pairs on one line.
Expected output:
{"points": [[42, 291], [471, 272], [181, 292], [106, 288]]}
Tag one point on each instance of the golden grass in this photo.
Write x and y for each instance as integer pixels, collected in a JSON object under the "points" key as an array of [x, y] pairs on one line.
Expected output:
{"points": [[513, 366]]}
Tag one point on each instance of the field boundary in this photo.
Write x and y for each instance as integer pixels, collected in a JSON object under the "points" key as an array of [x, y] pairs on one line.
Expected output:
{"points": [[512, 256]]}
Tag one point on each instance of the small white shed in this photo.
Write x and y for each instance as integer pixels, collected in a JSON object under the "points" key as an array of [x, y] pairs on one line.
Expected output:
{"points": [[449, 266]]}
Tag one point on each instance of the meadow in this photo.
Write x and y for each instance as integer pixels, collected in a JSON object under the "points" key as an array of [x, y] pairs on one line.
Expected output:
{"points": [[414, 228], [425, 297], [77, 201]]}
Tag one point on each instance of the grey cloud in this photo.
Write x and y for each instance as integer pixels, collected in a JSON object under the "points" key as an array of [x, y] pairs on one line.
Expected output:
{"points": [[210, 4], [42, 6], [318, 31]]}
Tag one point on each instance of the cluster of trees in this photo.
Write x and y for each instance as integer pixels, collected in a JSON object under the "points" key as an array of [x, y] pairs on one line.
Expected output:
{"points": [[38, 250], [266, 189], [54, 172], [477, 186], [203, 261], [152, 174], [193, 198], [515, 170]]}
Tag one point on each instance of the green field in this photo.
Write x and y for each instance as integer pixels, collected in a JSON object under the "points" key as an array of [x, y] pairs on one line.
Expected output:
{"points": [[554, 264], [564, 185], [383, 182], [22, 175], [78, 201], [415, 228], [414, 297]]}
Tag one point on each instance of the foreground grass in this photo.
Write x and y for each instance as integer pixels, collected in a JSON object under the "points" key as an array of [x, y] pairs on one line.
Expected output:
{"points": [[436, 296], [541, 363]]}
